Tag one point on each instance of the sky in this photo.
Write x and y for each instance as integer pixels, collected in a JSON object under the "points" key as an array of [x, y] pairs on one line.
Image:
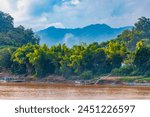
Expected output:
{"points": [[40, 14]]}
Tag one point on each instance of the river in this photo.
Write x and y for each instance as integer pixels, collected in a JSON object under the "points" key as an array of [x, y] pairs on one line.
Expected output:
{"points": [[41, 91]]}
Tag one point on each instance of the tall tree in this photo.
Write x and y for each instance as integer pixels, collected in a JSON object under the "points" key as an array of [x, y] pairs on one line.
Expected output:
{"points": [[6, 22], [142, 59]]}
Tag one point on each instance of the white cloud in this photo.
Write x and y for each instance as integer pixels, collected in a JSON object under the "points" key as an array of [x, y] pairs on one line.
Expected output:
{"points": [[5, 5], [17, 8], [40, 14], [116, 13]]}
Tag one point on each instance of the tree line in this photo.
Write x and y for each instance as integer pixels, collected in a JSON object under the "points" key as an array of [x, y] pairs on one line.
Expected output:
{"points": [[128, 54]]}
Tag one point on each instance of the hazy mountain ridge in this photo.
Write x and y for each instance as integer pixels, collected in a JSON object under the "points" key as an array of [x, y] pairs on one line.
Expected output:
{"points": [[88, 34]]}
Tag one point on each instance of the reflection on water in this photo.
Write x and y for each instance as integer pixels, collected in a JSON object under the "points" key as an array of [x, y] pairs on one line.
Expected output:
{"points": [[62, 91]]}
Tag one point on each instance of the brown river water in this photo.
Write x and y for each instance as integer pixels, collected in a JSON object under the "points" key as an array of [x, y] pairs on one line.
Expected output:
{"points": [[45, 91]]}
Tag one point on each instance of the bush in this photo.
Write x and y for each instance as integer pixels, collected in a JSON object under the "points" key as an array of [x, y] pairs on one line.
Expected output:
{"points": [[0, 69], [124, 71], [116, 72], [5, 58], [135, 73], [144, 80], [126, 79], [86, 75], [147, 73], [18, 69]]}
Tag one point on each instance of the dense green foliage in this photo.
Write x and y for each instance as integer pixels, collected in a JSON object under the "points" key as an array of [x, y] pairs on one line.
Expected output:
{"points": [[128, 54], [142, 60], [6, 22], [82, 61], [5, 57], [10, 39], [10, 36]]}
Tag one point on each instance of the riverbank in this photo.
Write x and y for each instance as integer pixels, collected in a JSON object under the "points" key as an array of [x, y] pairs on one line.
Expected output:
{"points": [[105, 80], [126, 80]]}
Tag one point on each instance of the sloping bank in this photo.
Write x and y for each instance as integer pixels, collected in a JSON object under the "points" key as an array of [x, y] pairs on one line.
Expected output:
{"points": [[126, 80]]}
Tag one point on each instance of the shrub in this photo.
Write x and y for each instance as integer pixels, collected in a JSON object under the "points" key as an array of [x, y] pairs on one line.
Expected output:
{"points": [[147, 73], [135, 73], [0, 69], [126, 79], [144, 80], [86, 75], [124, 71], [116, 71]]}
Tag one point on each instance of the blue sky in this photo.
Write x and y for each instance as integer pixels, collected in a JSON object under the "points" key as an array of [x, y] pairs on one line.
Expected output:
{"points": [[39, 14]]}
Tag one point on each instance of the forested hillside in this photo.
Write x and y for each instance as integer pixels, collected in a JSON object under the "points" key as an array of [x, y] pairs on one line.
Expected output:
{"points": [[89, 34], [128, 54]]}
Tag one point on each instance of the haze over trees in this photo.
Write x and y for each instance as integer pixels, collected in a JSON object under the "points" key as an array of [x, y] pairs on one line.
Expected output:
{"points": [[21, 54], [88, 34]]}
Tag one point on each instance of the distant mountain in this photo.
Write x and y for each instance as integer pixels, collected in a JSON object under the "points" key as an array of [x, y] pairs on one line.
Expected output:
{"points": [[92, 33]]}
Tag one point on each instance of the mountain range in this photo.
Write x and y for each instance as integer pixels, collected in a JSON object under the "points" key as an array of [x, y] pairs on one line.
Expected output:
{"points": [[92, 33]]}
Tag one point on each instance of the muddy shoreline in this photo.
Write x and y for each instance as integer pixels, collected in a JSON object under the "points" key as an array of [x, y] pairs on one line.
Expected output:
{"points": [[110, 80]]}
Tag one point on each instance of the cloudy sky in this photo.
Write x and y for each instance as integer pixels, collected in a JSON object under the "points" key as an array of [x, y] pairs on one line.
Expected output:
{"points": [[40, 14]]}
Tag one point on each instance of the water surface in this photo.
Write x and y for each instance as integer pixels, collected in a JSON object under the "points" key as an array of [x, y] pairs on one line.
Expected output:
{"points": [[62, 91]]}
